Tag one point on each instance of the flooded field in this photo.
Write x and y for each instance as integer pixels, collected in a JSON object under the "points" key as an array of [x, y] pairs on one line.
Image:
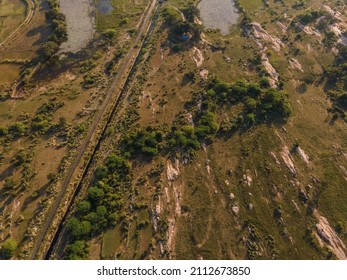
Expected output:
{"points": [[105, 6], [218, 14], [80, 24]]}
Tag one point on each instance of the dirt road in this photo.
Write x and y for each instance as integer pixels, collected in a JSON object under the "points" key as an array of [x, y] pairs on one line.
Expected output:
{"points": [[30, 14], [112, 99]]}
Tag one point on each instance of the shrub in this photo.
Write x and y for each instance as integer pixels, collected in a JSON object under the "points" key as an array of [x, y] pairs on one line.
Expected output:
{"points": [[8, 248], [145, 142], [77, 251]]}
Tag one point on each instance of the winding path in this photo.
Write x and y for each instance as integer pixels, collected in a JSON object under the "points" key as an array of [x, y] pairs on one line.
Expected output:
{"points": [[31, 8]]}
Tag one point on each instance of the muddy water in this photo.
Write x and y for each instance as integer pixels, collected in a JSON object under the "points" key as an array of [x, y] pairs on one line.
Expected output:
{"points": [[80, 24], [105, 6], [218, 14]]}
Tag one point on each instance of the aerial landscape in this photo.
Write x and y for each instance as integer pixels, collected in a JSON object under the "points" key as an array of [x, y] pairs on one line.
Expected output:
{"points": [[173, 129]]}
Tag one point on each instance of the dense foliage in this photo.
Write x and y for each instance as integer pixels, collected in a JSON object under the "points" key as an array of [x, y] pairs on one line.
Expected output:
{"points": [[144, 142], [101, 208], [179, 26], [58, 27], [337, 80], [259, 104], [7, 249]]}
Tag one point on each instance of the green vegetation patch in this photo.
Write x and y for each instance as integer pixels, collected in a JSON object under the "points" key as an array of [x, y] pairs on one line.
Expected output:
{"points": [[101, 208]]}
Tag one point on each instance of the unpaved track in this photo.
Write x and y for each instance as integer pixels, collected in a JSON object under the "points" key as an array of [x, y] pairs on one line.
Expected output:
{"points": [[113, 95], [31, 11]]}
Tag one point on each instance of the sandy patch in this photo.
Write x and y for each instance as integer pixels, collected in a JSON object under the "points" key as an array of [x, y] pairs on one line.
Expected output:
{"points": [[309, 30], [274, 76], [204, 74], [342, 39], [295, 64], [261, 33], [171, 171], [327, 235], [335, 14], [287, 159], [282, 26], [303, 155], [197, 56]]}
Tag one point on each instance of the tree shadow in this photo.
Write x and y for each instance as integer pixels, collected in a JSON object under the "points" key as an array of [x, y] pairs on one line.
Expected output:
{"points": [[41, 31], [8, 172], [31, 199]]}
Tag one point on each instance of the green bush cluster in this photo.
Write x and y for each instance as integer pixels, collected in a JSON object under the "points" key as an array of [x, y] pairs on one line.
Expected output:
{"points": [[337, 80], [7, 249], [260, 103], [178, 26], [184, 138], [145, 142], [310, 16], [42, 121], [101, 208]]}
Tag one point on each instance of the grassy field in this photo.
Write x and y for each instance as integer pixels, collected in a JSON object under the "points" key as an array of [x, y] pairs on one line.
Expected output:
{"points": [[236, 197], [24, 46], [124, 15], [12, 13], [222, 204]]}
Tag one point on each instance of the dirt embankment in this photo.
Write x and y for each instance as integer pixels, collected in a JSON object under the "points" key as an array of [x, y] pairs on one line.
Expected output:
{"points": [[261, 36], [329, 237]]}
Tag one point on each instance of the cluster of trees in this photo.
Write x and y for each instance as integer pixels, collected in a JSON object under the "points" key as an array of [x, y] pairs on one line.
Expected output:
{"points": [[330, 38], [145, 142], [101, 208], [337, 79], [41, 123], [310, 16], [178, 26], [58, 27], [187, 138], [110, 35], [7, 249], [261, 103]]}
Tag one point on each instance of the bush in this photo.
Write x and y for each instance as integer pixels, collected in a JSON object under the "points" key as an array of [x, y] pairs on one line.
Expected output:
{"points": [[18, 129], [110, 34], [95, 195], [79, 230], [145, 142], [48, 49], [77, 251], [8, 248], [275, 103], [3, 131], [84, 207], [184, 139]]}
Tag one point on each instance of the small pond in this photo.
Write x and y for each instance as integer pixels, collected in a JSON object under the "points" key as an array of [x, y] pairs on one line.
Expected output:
{"points": [[105, 6], [218, 14]]}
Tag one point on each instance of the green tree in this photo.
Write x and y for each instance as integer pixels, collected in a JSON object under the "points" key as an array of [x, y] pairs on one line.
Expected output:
{"points": [[77, 250], [48, 49], [83, 207], [110, 34], [95, 195], [8, 249]]}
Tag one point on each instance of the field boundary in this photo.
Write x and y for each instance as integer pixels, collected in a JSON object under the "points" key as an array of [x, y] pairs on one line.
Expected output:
{"points": [[31, 8]]}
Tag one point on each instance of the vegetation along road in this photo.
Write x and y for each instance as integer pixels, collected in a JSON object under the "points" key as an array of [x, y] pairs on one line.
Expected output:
{"points": [[112, 100]]}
